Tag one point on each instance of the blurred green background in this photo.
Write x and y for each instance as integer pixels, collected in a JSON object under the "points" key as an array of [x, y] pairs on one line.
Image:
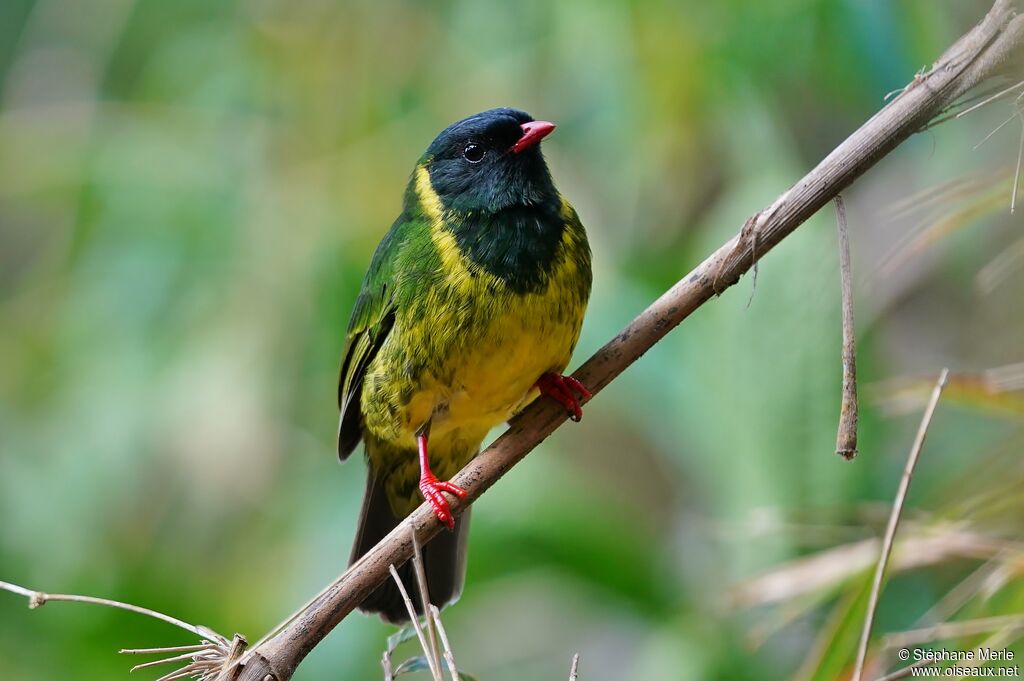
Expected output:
{"points": [[190, 192]]}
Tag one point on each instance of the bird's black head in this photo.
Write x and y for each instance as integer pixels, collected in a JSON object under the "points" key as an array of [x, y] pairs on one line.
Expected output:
{"points": [[490, 161]]}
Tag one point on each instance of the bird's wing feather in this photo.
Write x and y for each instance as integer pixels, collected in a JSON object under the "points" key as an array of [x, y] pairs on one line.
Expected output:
{"points": [[371, 322]]}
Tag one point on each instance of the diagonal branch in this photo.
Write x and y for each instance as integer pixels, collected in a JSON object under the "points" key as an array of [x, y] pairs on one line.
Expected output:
{"points": [[985, 51]]}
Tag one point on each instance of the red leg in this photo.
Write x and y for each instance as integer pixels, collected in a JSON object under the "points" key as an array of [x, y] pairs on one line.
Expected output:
{"points": [[431, 487], [563, 389]]}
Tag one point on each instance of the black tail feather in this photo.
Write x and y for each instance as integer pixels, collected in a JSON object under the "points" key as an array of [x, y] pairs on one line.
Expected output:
{"points": [[444, 558]]}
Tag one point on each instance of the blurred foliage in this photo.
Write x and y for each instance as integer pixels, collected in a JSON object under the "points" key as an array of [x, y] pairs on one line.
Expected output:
{"points": [[190, 192]]}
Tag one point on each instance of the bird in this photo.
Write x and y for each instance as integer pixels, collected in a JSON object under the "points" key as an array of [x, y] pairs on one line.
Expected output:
{"points": [[470, 309]]}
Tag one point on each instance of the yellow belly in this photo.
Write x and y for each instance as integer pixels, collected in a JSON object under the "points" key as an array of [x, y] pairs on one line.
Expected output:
{"points": [[493, 380], [491, 375]]}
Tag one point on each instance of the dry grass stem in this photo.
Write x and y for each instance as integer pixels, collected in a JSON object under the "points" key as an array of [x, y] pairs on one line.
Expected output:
{"points": [[951, 630], [169, 649], [435, 669], [997, 129], [421, 584], [993, 98], [574, 669], [826, 569], [206, 660], [177, 658], [949, 113], [894, 520], [846, 435], [966, 589], [1020, 149], [449, 656], [431, 653], [38, 599]]}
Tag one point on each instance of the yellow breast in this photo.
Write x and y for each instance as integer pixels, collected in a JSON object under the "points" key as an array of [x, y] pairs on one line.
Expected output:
{"points": [[483, 345], [491, 372]]}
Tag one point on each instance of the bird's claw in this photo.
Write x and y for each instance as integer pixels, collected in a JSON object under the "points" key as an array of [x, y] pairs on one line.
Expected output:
{"points": [[432, 489], [563, 389]]}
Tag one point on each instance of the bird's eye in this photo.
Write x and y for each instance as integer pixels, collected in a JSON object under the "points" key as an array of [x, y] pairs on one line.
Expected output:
{"points": [[474, 153]]}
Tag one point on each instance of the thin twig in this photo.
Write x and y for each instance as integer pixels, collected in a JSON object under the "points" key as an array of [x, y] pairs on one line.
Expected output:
{"points": [[421, 584], [182, 673], [574, 669], [205, 659], [166, 660], [434, 667], [37, 599], [947, 113], [170, 649], [206, 662], [997, 129], [449, 656], [846, 434], [990, 99], [894, 521]]}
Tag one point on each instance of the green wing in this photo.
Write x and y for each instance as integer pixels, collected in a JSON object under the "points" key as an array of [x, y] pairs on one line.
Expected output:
{"points": [[371, 322]]}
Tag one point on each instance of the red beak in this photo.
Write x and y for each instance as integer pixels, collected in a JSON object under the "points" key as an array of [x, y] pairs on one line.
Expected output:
{"points": [[533, 132]]}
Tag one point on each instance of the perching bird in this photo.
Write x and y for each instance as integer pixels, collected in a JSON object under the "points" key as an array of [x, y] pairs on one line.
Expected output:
{"points": [[471, 308]]}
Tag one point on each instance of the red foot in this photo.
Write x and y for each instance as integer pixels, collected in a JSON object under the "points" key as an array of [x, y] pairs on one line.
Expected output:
{"points": [[431, 488], [562, 389]]}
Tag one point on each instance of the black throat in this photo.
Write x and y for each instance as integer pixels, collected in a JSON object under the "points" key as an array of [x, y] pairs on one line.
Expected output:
{"points": [[518, 244]]}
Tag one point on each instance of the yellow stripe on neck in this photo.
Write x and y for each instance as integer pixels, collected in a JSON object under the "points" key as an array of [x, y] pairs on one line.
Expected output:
{"points": [[429, 199], [460, 271]]}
